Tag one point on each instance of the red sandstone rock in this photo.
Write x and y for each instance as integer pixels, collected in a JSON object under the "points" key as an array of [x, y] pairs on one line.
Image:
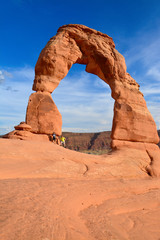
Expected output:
{"points": [[154, 167], [151, 151], [49, 192], [132, 122], [42, 114], [23, 126], [118, 144], [26, 135], [79, 44]]}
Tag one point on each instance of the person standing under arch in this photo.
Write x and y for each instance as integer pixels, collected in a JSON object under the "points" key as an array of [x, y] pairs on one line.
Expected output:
{"points": [[62, 139]]}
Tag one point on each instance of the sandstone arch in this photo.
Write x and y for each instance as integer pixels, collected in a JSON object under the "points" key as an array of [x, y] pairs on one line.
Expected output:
{"points": [[132, 122]]}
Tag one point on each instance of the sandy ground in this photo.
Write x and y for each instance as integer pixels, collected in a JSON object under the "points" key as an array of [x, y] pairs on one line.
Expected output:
{"points": [[52, 193]]}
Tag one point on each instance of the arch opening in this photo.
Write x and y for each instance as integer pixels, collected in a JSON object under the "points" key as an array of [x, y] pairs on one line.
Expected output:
{"points": [[84, 101]]}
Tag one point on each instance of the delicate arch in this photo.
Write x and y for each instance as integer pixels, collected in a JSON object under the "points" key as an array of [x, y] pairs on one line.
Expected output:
{"points": [[79, 44]]}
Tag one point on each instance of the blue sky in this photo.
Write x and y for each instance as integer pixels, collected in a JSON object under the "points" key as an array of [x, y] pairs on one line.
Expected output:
{"points": [[83, 99]]}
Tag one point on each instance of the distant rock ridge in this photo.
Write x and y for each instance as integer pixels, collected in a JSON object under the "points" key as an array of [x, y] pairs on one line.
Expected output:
{"points": [[90, 141]]}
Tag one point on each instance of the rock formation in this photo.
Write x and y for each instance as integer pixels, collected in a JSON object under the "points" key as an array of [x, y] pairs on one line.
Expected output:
{"points": [[132, 122], [133, 125], [23, 126], [43, 115], [24, 131], [79, 44]]}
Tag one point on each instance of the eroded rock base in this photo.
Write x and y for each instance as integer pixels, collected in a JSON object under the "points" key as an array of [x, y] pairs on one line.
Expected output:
{"points": [[151, 151]]}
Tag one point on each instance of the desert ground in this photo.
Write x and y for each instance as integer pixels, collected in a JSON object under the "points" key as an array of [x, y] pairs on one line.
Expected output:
{"points": [[52, 193]]}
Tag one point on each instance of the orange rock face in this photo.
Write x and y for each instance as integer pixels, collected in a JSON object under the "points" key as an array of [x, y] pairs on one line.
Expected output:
{"points": [[23, 126], [42, 114], [27, 135], [79, 44]]}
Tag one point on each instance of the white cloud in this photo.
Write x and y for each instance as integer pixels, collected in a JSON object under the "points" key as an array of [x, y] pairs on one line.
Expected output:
{"points": [[84, 103], [143, 63], [14, 95], [3, 75], [100, 84], [7, 74], [150, 89], [143, 48], [2, 78], [154, 72], [26, 73], [83, 130], [155, 111]]}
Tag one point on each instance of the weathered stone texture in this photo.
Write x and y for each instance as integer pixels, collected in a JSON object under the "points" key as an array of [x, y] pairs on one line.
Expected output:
{"points": [[79, 44], [24, 127], [133, 126], [27, 135], [42, 114]]}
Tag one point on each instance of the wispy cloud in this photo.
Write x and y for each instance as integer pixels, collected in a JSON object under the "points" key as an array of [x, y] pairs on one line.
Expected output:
{"points": [[83, 100], [154, 71], [2, 78], [14, 93], [26, 73], [85, 103], [143, 63], [151, 90], [155, 111], [143, 48]]}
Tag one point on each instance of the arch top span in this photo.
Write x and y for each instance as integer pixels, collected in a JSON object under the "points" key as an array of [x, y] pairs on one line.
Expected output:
{"points": [[75, 43]]}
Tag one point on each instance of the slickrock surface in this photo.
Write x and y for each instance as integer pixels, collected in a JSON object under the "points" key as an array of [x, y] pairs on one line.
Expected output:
{"points": [[52, 193], [26, 135]]}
